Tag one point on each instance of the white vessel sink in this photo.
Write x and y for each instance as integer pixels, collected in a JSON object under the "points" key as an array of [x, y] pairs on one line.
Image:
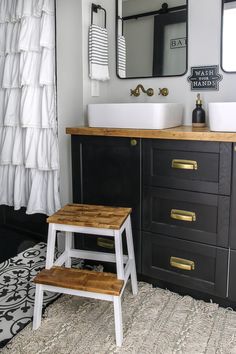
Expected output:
{"points": [[135, 115], [222, 116]]}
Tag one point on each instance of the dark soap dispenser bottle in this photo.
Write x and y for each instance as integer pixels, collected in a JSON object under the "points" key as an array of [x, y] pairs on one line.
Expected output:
{"points": [[199, 116]]}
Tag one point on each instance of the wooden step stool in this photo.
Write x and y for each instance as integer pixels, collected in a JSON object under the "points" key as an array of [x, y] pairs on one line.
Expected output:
{"points": [[88, 219]]}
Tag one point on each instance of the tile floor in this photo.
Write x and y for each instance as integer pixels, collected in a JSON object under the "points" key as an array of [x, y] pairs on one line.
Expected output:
{"points": [[17, 290]]}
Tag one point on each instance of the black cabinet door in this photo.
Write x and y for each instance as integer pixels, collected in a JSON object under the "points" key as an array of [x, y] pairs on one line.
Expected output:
{"points": [[232, 227], [232, 276], [188, 165], [188, 264], [106, 171]]}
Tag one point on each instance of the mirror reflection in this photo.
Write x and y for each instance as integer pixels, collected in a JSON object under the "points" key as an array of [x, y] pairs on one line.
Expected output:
{"points": [[228, 36], [151, 38]]}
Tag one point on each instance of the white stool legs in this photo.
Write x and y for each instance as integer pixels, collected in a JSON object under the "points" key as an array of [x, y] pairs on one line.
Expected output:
{"points": [[129, 240], [125, 264], [119, 254], [40, 288], [118, 320], [68, 247], [38, 305], [50, 246]]}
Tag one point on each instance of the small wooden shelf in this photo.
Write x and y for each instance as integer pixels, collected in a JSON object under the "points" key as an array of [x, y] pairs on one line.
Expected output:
{"points": [[179, 133], [97, 216], [78, 279]]}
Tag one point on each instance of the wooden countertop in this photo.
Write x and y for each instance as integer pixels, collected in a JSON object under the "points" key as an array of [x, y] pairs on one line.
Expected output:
{"points": [[178, 133]]}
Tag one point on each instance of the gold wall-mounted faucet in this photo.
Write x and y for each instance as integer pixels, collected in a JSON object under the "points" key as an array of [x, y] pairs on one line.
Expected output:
{"points": [[136, 91]]}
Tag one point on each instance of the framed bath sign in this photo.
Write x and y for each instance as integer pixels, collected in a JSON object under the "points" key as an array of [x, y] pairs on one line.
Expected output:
{"points": [[205, 78]]}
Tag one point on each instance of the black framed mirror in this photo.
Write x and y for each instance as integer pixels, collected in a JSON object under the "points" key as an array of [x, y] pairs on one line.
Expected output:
{"points": [[151, 38], [228, 31]]}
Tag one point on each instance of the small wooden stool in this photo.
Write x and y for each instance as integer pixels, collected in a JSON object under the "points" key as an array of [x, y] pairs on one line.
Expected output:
{"points": [[88, 219]]}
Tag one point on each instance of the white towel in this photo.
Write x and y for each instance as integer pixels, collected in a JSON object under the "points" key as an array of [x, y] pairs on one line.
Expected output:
{"points": [[121, 56], [98, 53]]}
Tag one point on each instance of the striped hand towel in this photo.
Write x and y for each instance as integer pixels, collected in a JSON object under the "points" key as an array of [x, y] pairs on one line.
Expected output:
{"points": [[121, 56], [98, 53]]}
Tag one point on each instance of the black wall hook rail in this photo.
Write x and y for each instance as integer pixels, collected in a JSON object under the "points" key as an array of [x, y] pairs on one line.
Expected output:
{"points": [[95, 8], [164, 10]]}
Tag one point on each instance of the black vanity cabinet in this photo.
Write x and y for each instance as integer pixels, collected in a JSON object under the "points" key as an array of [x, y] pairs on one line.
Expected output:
{"points": [[232, 259], [183, 195], [186, 211], [107, 171]]}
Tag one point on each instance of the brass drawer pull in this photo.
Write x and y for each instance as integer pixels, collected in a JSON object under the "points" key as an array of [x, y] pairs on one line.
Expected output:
{"points": [[183, 215], [181, 263], [102, 242], [184, 164]]}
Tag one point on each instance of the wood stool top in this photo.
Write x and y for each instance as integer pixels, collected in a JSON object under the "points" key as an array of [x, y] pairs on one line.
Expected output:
{"points": [[79, 279], [97, 216]]}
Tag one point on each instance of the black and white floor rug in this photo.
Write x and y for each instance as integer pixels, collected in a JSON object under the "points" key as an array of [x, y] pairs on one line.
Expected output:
{"points": [[17, 290]]}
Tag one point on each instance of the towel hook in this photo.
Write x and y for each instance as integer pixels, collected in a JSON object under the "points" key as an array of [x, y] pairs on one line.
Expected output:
{"points": [[95, 8]]}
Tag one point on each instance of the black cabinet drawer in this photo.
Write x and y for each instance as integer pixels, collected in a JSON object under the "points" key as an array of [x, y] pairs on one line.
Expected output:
{"points": [[196, 166], [187, 215], [207, 264]]}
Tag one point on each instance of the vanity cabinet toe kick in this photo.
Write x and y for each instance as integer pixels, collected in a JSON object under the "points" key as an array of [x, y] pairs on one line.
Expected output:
{"points": [[183, 195]]}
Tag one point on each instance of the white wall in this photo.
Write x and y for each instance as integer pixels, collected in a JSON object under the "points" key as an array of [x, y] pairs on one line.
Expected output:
{"points": [[204, 49], [69, 84], [74, 86]]}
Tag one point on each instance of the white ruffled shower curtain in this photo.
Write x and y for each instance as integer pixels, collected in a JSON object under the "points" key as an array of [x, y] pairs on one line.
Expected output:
{"points": [[29, 161]]}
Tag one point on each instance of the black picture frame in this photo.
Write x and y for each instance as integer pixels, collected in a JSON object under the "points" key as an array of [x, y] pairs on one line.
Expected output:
{"points": [[221, 42], [158, 44], [186, 7]]}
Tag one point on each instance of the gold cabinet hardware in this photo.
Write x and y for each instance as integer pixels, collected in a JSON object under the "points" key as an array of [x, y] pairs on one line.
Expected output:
{"points": [[183, 215], [105, 243], [163, 92], [133, 142], [181, 263], [184, 164]]}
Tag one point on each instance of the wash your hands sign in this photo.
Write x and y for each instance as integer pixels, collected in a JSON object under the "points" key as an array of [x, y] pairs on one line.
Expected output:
{"points": [[205, 78]]}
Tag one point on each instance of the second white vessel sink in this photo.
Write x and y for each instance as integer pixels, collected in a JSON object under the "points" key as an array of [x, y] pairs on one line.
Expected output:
{"points": [[222, 116], [135, 115]]}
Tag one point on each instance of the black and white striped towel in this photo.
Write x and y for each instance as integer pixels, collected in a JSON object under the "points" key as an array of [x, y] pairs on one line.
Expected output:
{"points": [[121, 56], [98, 53]]}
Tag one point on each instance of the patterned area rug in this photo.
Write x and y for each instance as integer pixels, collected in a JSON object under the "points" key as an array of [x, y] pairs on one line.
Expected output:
{"points": [[155, 321], [17, 290]]}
